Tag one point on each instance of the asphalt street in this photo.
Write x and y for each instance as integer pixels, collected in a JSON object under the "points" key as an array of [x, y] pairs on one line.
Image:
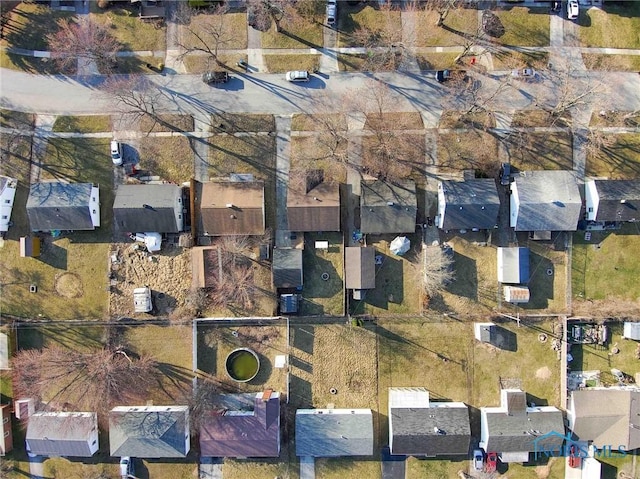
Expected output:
{"points": [[271, 93]]}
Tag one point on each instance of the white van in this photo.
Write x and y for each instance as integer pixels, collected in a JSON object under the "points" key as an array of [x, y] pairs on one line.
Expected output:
{"points": [[116, 152], [332, 12]]}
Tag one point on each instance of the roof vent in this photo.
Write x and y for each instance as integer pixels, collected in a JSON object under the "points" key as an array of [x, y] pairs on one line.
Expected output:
{"points": [[315, 198], [233, 217], [623, 201], [389, 203], [482, 207], [229, 205]]}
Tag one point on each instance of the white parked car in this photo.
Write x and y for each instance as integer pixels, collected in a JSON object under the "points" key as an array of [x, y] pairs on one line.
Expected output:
{"points": [[116, 152], [297, 75], [478, 460], [572, 9], [332, 12], [524, 73]]}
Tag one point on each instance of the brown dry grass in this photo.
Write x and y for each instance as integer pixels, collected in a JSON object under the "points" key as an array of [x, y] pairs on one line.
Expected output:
{"points": [[619, 161], [468, 150], [170, 158], [539, 118], [539, 150], [312, 153], [166, 122]]}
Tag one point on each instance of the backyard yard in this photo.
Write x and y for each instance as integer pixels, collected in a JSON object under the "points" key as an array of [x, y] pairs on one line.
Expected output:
{"points": [[398, 288], [324, 297]]}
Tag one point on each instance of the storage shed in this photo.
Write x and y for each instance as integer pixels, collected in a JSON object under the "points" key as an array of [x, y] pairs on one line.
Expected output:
{"points": [[631, 331], [513, 265]]}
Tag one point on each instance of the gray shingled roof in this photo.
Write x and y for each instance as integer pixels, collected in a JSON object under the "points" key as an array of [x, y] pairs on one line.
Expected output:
{"points": [[255, 433], [610, 425], [287, 267], [619, 200], [387, 207], [360, 272], [147, 208], [433, 431], [549, 201], [60, 206], [334, 432], [469, 204], [316, 210], [62, 434], [149, 431]]}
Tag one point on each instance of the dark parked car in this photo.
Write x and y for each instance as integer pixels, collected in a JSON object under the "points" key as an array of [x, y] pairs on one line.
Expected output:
{"points": [[505, 174], [443, 75], [215, 77]]}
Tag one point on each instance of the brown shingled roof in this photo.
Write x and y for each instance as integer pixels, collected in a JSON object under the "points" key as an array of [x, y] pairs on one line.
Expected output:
{"points": [[316, 210], [232, 208]]}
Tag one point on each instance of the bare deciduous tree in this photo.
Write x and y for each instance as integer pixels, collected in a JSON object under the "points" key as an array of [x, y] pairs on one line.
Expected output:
{"points": [[438, 271], [208, 35], [135, 96], [264, 13], [442, 8], [83, 39], [95, 379]]}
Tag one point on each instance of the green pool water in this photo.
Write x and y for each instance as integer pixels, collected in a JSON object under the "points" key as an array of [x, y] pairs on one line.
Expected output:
{"points": [[242, 365]]}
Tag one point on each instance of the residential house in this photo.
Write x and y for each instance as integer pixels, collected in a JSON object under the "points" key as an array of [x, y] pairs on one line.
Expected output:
{"points": [[6, 443], [149, 208], [616, 425], [612, 200], [360, 268], [317, 209], [230, 208], [420, 427], [468, 205], [287, 268], [545, 201], [73, 434], [63, 206], [8, 188], [149, 431], [249, 427], [513, 265], [388, 207], [334, 432], [514, 429]]}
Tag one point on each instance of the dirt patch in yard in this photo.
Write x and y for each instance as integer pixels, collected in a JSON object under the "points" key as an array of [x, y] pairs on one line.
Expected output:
{"points": [[543, 373], [167, 273], [69, 285]]}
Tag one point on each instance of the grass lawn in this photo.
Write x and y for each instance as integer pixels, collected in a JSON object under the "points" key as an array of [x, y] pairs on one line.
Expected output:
{"points": [[614, 26], [133, 33], [284, 63], [619, 161], [166, 122], [339, 468], [28, 24], [474, 288], [436, 61], [457, 23], [215, 342], [247, 154], [313, 153], [16, 157], [408, 157], [306, 34], [351, 62], [232, 28], [418, 468], [313, 122], [539, 151], [171, 348], [16, 119], [202, 63], [394, 121], [137, 64], [83, 124], [595, 61], [323, 297], [32, 64], [602, 268], [242, 122], [587, 357], [524, 26], [548, 292], [468, 150], [397, 288], [258, 469], [352, 18], [170, 158], [539, 118], [509, 59], [615, 118]]}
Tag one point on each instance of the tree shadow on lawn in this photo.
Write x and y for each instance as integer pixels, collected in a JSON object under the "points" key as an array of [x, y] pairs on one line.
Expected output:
{"points": [[540, 283], [303, 338], [466, 281], [389, 285], [300, 392]]}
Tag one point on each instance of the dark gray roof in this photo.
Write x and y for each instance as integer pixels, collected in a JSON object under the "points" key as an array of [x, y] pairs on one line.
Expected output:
{"points": [[616, 424], [148, 208], [360, 272], [387, 207], [60, 206], [548, 201], [334, 432], [149, 431], [62, 434], [469, 204], [316, 210], [253, 433], [287, 267], [619, 200], [440, 429]]}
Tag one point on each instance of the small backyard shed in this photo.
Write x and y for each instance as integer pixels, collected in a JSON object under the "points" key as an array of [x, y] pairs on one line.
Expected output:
{"points": [[513, 265], [631, 330]]}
